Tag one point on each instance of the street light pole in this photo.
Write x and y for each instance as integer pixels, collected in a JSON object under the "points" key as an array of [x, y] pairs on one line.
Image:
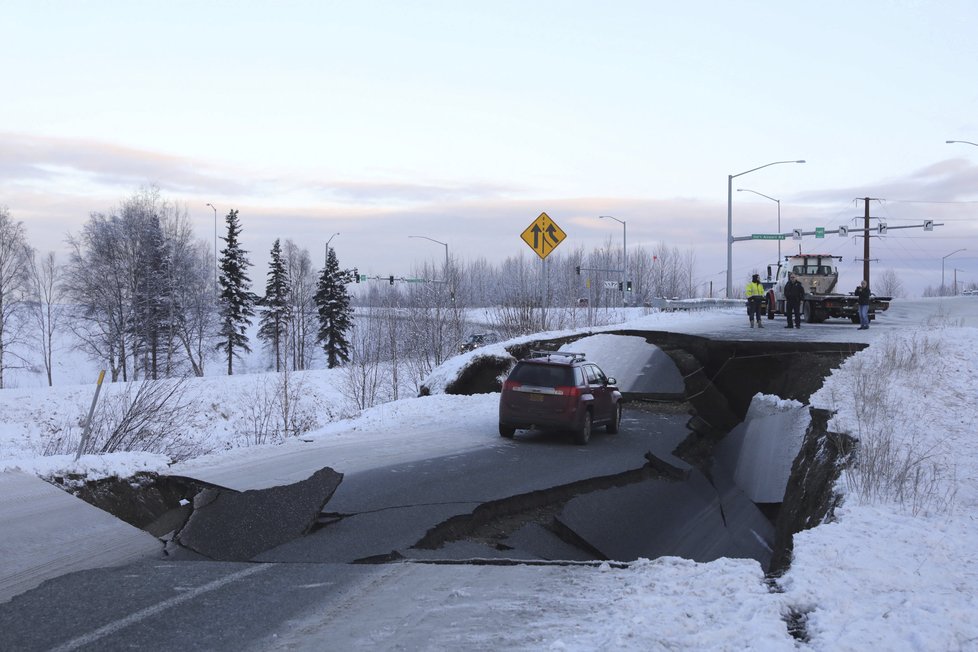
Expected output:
{"points": [[942, 266], [779, 213], [624, 255], [730, 179], [444, 244], [215, 243], [326, 262], [451, 290]]}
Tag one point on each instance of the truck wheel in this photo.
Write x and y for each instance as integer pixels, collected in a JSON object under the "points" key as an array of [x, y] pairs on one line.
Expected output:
{"points": [[854, 319], [807, 313]]}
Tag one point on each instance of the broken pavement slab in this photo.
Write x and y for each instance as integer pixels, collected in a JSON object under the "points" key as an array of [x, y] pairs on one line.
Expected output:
{"points": [[46, 532], [227, 525], [687, 519]]}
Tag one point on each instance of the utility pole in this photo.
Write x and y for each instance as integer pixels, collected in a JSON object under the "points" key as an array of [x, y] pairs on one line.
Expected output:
{"points": [[866, 241]]}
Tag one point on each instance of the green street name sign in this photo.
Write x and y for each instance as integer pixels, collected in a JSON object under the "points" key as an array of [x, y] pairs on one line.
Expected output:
{"points": [[766, 236], [819, 231]]}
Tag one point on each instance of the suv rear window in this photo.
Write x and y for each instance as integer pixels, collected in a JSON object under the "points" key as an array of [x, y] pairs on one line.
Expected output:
{"points": [[543, 375]]}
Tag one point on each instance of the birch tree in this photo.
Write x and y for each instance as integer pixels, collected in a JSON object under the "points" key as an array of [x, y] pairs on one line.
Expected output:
{"points": [[14, 288]]}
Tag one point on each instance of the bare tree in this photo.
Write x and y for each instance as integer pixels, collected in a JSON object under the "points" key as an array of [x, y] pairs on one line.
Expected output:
{"points": [[671, 273], [144, 416], [14, 288], [47, 307], [192, 302], [95, 283], [363, 371], [196, 296], [431, 326], [888, 284], [303, 324], [125, 276], [518, 310]]}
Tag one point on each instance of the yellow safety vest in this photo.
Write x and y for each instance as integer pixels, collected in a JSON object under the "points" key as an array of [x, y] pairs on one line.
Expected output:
{"points": [[755, 290]]}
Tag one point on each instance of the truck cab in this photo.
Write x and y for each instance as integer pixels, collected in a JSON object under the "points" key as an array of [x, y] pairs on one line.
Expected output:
{"points": [[817, 272]]}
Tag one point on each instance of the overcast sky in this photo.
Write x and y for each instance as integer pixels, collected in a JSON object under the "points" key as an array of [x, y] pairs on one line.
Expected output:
{"points": [[463, 121]]}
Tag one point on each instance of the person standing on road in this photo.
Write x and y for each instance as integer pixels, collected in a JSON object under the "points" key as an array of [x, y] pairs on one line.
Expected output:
{"points": [[862, 294], [794, 292], [755, 300]]}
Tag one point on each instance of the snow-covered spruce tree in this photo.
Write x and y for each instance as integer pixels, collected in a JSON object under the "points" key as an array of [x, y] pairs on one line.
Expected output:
{"points": [[237, 302], [335, 312], [274, 306]]}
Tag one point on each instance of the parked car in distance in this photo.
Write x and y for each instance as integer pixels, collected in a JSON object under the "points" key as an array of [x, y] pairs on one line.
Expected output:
{"points": [[476, 340], [559, 391]]}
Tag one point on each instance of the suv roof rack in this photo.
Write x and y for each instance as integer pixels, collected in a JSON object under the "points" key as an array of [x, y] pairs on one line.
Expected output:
{"points": [[574, 357]]}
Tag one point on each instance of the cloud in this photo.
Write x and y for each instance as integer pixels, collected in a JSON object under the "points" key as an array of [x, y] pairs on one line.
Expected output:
{"points": [[53, 184]]}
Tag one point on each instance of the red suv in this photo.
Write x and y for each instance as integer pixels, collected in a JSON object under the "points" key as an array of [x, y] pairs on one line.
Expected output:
{"points": [[560, 391]]}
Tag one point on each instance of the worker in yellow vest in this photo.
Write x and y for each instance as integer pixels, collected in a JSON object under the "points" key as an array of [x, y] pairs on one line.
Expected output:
{"points": [[755, 300]]}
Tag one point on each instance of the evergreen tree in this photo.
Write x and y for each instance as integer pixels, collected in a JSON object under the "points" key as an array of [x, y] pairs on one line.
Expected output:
{"points": [[275, 305], [153, 296], [335, 312], [237, 302]]}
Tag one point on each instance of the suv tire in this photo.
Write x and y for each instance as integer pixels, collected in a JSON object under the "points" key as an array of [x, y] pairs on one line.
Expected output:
{"points": [[583, 435], [506, 431], [615, 424]]}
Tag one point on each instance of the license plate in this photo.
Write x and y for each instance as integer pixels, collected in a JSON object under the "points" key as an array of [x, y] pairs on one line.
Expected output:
{"points": [[536, 397]]}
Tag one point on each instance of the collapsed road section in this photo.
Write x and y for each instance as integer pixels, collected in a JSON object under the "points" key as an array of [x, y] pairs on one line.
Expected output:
{"points": [[700, 471]]}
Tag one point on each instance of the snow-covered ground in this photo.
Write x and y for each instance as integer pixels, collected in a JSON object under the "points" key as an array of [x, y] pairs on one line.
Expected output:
{"points": [[896, 570]]}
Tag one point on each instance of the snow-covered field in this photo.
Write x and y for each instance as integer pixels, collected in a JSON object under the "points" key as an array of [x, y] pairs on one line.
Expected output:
{"points": [[896, 570]]}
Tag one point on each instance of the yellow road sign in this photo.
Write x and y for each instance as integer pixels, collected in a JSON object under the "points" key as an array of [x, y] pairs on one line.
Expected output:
{"points": [[543, 235]]}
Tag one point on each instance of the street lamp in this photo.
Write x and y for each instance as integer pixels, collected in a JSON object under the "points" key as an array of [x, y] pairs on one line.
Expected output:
{"points": [[327, 248], [624, 255], [215, 243], [451, 290], [730, 179], [779, 214], [444, 244], [942, 266], [966, 142]]}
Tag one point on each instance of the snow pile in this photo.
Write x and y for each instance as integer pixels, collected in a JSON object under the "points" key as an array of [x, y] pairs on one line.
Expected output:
{"points": [[92, 467], [221, 413], [899, 567]]}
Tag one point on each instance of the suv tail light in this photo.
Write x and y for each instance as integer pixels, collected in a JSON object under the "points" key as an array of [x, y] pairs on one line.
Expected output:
{"points": [[572, 391], [510, 385]]}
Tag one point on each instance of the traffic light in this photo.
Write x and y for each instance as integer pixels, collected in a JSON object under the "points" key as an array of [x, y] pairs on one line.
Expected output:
{"points": [[628, 286], [578, 270], [391, 279], [356, 273], [619, 286]]}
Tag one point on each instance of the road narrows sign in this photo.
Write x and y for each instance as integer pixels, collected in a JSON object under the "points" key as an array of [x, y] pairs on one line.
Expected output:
{"points": [[543, 235]]}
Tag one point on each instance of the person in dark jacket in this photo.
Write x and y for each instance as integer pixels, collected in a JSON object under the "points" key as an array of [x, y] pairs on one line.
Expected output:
{"points": [[862, 295], [794, 292]]}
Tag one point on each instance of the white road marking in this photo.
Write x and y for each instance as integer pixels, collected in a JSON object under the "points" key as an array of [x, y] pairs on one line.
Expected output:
{"points": [[143, 614]]}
